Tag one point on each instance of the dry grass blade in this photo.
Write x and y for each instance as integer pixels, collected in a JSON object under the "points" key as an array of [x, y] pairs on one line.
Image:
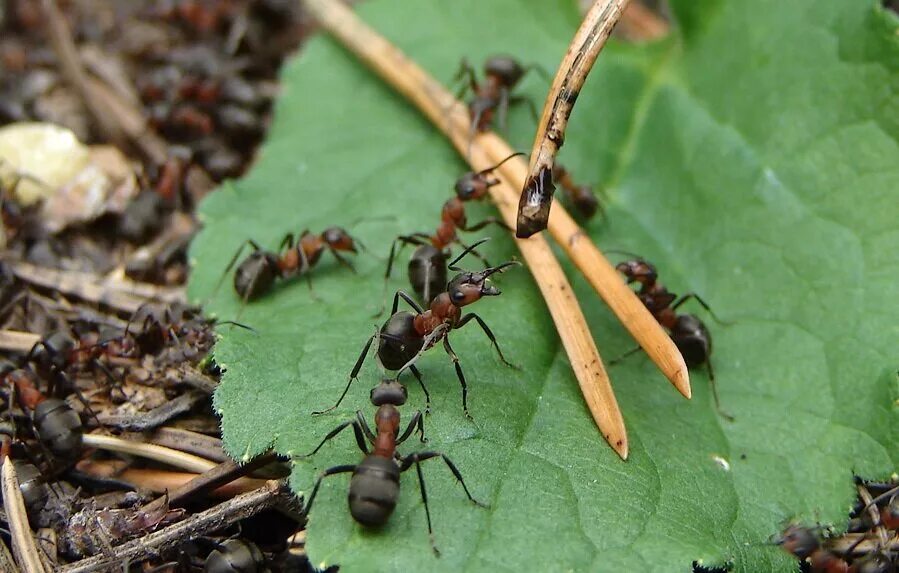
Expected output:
{"points": [[434, 101], [537, 191], [23, 545], [17, 341], [149, 451]]}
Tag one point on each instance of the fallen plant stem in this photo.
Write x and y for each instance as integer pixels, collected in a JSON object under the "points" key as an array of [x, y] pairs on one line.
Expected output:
{"points": [[641, 23], [18, 341], [219, 475], [7, 564], [537, 192], [157, 416], [23, 545], [434, 101], [160, 481], [218, 517], [190, 442], [149, 451]]}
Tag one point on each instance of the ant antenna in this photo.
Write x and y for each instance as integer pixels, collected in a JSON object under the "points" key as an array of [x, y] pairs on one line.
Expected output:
{"points": [[452, 265], [500, 268], [489, 169]]}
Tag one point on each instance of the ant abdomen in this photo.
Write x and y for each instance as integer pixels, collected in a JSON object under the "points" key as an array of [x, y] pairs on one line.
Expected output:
{"points": [[427, 272], [256, 275], [399, 341], [693, 340], [374, 490], [506, 68], [59, 427], [235, 555], [33, 487]]}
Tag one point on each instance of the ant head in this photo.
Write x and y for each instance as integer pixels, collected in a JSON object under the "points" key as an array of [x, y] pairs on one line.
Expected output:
{"points": [[338, 239], [471, 186], [799, 540], [468, 287], [474, 184], [637, 271], [389, 392], [506, 68]]}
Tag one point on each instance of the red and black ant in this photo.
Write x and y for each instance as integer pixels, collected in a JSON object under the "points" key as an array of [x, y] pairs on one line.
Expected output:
{"points": [[256, 274], [805, 545], [427, 267], [688, 332], [580, 196], [405, 336], [494, 95], [375, 485]]}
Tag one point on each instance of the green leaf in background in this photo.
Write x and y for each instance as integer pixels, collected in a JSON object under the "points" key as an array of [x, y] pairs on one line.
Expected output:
{"points": [[752, 156]]}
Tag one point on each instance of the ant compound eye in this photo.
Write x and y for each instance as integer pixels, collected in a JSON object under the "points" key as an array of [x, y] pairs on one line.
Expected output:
{"points": [[457, 296]]}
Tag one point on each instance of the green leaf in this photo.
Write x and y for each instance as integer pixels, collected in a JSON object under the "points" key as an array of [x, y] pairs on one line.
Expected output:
{"points": [[752, 156]]}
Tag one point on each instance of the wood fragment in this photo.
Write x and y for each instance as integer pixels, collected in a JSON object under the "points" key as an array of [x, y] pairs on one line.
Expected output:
{"points": [[450, 116], [218, 517], [537, 192], [160, 481], [24, 547]]}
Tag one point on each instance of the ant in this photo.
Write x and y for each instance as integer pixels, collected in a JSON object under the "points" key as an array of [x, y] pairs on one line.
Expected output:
{"points": [[405, 336], [56, 425], [427, 267], [688, 332], [375, 485], [494, 95], [256, 274], [580, 196], [806, 546]]}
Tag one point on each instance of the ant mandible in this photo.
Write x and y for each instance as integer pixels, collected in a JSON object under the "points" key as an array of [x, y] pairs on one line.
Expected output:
{"points": [[256, 274], [375, 485], [688, 332], [405, 336], [427, 267]]}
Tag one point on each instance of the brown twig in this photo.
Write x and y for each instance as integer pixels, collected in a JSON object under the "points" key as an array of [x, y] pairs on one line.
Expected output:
{"points": [[17, 341], [119, 120], [223, 473], [640, 23], [537, 192], [433, 99], [220, 516], [23, 545], [190, 442], [159, 481], [157, 416]]}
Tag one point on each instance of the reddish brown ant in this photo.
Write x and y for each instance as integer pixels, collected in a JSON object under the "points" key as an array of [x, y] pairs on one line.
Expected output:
{"points": [[805, 544], [580, 196], [256, 274], [375, 485], [689, 333], [405, 336], [427, 267], [494, 95]]}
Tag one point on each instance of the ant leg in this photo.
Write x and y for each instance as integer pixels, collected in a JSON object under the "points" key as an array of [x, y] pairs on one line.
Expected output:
{"points": [[468, 317], [416, 423], [421, 383], [328, 472], [353, 375], [419, 457], [402, 295], [343, 261], [704, 304], [488, 221], [286, 242], [714, 386], [625, 355], [466, 71], [230, 266], [459, 374], [424, 497], [357, 430], [471, 249]]}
